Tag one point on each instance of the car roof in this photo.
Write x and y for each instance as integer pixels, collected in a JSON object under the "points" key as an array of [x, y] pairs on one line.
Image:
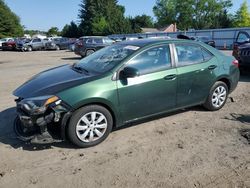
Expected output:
{"points": [[151, 41], [87, 37]]}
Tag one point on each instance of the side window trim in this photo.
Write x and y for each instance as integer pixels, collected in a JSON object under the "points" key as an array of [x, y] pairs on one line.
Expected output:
{"points": [[197, 45]]}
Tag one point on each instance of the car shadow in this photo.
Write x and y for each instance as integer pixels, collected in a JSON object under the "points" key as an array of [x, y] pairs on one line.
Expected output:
{"points": [[243, 118], [8, 137], [245, 77], [71, 58]]}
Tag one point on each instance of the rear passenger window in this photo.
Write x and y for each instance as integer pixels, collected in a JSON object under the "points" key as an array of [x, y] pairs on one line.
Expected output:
{"points": [[191, 54], [98, 41], [206, 55], [89, 41]]}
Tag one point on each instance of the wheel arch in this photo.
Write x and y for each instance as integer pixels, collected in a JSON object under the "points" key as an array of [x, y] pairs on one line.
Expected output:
{"points": [[226, 81], [65, 121]]}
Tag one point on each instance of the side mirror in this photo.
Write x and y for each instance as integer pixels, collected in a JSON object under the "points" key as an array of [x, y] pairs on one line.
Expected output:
{"points": [[129, 72]]}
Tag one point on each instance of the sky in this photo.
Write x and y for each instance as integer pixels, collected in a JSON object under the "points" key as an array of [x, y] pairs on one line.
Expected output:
{"points": [[44, 14]]}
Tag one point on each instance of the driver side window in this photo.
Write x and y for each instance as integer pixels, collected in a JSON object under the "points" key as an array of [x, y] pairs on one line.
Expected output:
{"points": [[152, 60]]}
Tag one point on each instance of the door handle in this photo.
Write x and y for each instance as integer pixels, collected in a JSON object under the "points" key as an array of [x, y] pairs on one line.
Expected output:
{"points": [[170, 77], [212, 67]]}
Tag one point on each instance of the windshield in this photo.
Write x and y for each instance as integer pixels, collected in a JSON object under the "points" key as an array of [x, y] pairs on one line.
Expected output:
{"points": [[106, 58]]}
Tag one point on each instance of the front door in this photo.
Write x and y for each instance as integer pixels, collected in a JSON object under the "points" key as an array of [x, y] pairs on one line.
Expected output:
{"points": [[154, 90]]}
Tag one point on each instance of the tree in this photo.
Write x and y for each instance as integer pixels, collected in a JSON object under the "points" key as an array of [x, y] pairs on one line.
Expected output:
{"points": [[102, 17], [242, 17], [9, 22], [139, 22], [71, 30], [53, 31], [197, 14]]}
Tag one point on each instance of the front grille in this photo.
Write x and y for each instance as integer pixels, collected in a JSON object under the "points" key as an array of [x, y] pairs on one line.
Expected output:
{"points": [[245, 53]]}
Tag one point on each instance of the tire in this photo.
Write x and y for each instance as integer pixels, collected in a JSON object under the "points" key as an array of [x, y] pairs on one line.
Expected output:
{"points": [[29, 49], [57, 48], [89, 52], [90, 126], [217, 96], [20, 133]]}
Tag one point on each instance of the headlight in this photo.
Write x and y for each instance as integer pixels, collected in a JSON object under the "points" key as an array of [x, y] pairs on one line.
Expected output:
{"points": [[38, 105]]}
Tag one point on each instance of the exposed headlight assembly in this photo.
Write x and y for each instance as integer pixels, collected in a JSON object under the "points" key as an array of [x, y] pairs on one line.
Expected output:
{"points": [[38, 105]]}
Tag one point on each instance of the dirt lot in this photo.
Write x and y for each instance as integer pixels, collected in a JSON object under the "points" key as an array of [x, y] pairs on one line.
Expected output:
{"points": [[189, 148]]}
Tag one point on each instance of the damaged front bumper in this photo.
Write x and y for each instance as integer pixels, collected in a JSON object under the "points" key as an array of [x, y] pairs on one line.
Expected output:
{"points": [[41, 119]]}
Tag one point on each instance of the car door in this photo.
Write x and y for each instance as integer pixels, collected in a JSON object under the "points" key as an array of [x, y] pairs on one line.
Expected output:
{"points": [[154, 90], [196, 70], [36, 43]]}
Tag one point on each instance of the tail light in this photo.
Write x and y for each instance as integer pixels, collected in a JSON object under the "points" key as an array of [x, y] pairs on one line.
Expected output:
{"points": [[235, 63]]}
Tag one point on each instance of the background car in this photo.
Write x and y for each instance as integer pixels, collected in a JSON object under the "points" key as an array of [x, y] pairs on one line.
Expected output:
{"points": [[21, 44], [58, 43], [34, 44], [9, 45], [205, 39], [5, 40], [241, 49], [123, 83], [88, 45]]}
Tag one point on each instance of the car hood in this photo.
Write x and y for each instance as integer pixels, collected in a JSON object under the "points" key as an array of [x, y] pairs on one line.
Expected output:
{"points": [[244, 46], [52, 81]]}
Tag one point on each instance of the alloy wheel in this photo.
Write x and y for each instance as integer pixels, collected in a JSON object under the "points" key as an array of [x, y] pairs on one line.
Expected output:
{"points": [[91, 127], [219, 96]]}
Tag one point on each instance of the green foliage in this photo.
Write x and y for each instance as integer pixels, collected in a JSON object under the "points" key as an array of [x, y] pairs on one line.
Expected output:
{"points": [[100, 26], [242, 17], [9, 22], [70, 31], [139, 22], [102, 17], [197, 14], [53, 31]]}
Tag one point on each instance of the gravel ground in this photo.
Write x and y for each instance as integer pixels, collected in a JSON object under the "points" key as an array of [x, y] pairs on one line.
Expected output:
{"points": [[189, 148]]}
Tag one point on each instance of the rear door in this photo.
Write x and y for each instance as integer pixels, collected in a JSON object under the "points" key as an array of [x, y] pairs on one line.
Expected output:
{"points": [[196, 69], [154, 90]]}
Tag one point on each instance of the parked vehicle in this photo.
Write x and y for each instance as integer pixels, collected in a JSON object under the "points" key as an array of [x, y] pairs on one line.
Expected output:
{"points": [[5, 40], [241, 49], [205, 39], [34, 44], [59, 43], [88, 45], [21, 44], [123, 83], [9, 45]]}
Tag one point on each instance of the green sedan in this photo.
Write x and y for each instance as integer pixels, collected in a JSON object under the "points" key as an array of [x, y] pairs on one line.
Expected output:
{"points": [[119, 84]]}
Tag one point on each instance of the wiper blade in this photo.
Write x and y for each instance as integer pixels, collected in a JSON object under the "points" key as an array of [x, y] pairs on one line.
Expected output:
{"points": [[79, 69]]}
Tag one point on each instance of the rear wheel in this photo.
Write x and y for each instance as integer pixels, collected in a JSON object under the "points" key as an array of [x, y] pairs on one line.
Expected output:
{"points": [[90, 126], [217, 96], [89, 52]]}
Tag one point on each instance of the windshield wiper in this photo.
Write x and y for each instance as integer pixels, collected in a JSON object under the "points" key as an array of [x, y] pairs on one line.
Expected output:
{"points": [[79, 69]]}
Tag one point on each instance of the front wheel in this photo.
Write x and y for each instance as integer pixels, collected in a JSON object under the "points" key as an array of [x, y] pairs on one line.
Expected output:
{"points": [[57, 48], [29, 49], [89, 52], [90, 126], [217, 96]]}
